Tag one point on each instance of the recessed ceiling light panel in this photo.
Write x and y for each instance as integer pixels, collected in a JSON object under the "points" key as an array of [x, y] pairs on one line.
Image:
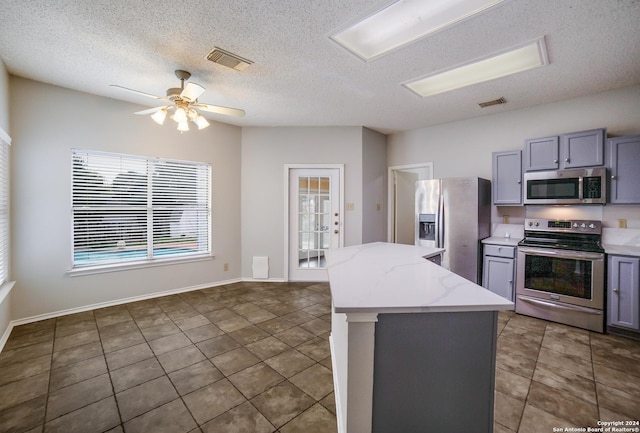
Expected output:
{"points": [[517, 59], [403, 22]]}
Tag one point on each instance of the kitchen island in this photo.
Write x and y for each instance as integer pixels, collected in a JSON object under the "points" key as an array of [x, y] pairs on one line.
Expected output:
{"points": [[413, 344]]}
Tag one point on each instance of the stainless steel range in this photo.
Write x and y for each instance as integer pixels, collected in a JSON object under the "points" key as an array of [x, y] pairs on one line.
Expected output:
{"points": [[561, 272]]}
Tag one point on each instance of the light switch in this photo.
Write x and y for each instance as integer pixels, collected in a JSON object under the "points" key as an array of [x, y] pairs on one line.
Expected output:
{"points": [[350, 206]]}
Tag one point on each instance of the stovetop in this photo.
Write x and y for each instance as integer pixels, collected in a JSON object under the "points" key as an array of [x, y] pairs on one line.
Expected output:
{"points": [[574, 235]]}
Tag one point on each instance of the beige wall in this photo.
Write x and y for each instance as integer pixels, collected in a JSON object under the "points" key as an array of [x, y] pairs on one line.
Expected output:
{"points": [[464, 148], [46, 123], [374, 186], [265, 151]]}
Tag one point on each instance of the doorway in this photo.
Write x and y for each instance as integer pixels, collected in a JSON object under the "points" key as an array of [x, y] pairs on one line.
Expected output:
{"points": [[401, 205], [314, 219]]}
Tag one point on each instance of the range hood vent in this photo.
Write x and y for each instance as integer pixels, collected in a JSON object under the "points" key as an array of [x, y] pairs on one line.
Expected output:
{"points": [[494, 102], [230, 60]]}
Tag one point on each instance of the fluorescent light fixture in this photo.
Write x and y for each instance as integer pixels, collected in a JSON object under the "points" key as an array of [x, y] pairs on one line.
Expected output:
{"points": [[405, 21], [518, 59]]}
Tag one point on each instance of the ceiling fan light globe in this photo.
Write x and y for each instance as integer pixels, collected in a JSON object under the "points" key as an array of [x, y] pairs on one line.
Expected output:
{"points": [[201, 122], [159, 116], [183, 126], [180, 115]]}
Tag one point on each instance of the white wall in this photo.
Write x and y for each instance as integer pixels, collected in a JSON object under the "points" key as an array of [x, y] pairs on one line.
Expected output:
{"points": [[265, 151], [464, 148], [374, 186], [5, 295], [46, 123]]}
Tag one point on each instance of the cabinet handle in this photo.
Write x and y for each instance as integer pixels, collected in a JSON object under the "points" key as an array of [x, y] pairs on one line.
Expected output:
{"points": [[566, 160], [613, 177], [616, 290], [555, 161], [519, 181]]}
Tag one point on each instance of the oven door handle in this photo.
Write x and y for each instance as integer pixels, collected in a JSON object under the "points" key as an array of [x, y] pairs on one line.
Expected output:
{"points": [[580, 255], [559, 306]]}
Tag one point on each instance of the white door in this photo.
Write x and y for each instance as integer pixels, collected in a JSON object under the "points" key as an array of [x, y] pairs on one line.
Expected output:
{"points": [[315, 221]]}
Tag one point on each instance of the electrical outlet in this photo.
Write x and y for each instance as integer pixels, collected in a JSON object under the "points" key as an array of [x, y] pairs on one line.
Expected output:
{"points": [[622, 223], [378, 206], [506, 219], [225, 267]]}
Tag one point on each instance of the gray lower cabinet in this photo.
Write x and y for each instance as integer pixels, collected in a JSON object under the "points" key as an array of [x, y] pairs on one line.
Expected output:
{"points": [[623, 159], [506, 181], [623, 290], [499, 270], [573, 150]]}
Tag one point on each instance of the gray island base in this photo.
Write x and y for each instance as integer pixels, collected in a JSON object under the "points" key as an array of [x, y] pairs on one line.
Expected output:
{"points": [[413, 345]]}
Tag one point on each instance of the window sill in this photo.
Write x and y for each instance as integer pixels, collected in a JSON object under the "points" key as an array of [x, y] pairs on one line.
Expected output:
{"points": [[100, 269]]}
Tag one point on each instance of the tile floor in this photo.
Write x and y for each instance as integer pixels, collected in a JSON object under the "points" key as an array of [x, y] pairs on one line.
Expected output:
{"points": [[252, 357]]}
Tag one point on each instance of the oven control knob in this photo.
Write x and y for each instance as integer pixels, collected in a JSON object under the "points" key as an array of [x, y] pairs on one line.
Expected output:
{"points": [[592, 226], [583, 225], [536, 223], [530, 223]]}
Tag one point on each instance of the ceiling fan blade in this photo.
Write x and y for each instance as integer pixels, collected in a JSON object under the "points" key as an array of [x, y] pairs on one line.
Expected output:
{"points": [[191, 92], [151, 110], [140, 93], [220, 110]]}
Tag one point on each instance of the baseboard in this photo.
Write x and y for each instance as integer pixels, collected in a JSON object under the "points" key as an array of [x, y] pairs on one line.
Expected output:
{"points": [[61, 313], [5, 336], [263, 280], [341, 428]]}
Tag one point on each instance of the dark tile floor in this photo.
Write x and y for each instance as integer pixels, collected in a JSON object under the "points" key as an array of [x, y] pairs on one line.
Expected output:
{"points": [[254, 357]]}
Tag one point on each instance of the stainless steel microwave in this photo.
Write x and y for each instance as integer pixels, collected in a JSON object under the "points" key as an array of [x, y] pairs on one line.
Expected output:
{"points": [[578, 186]]}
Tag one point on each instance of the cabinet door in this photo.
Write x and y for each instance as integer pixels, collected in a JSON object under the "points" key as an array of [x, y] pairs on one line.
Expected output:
{"points": [[583, 149], [507, 178], [624, 292], [624, 160], [541, 153], [498, 276]]}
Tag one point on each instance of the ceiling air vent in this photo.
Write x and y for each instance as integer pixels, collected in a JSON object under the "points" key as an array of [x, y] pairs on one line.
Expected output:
{"points": [[230, 60], [494, 102]]}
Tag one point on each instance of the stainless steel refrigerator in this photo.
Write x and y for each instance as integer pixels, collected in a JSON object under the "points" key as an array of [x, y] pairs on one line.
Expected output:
{"points": [[455, 214]]}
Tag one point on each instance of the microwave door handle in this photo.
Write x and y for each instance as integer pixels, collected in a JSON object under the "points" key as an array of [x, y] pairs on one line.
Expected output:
{"points": [[580, 188]]}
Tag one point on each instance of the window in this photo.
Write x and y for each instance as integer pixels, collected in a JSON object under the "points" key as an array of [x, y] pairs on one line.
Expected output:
{"points": [[4, 209], [131, 209]]}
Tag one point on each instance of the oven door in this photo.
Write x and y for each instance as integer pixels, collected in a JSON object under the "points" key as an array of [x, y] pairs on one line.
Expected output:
{"points": [[569, 277]]}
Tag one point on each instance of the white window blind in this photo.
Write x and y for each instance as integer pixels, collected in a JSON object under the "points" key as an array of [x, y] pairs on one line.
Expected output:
{"points": [[4, 211], [132, 209]]}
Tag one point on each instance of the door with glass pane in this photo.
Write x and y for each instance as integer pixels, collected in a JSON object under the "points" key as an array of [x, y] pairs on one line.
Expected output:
{"points": [[314, 221]]}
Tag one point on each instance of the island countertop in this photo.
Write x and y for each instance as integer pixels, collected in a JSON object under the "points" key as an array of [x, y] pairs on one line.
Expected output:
{"points": [[392, 278]]}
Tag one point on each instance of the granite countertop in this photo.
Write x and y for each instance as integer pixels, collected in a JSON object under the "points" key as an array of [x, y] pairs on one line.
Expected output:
{"points": [[624, 242], [505, 234], [393, 278], [495, 240]]}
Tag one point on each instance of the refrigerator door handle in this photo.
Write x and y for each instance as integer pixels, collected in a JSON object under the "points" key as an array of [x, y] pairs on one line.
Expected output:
{"points": [[440, 220]]}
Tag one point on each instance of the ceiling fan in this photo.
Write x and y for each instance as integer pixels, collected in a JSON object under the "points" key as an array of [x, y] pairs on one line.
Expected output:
{"points": [[184, 104]]}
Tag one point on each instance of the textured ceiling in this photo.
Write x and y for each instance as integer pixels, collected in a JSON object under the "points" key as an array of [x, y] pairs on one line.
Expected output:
{"points": [[302, 78]]}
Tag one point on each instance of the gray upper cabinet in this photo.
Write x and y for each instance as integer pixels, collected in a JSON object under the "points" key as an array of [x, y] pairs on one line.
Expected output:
{"points": [[541, 153], [623, 159], [583, 149], [573, 150], [507, 178]]}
